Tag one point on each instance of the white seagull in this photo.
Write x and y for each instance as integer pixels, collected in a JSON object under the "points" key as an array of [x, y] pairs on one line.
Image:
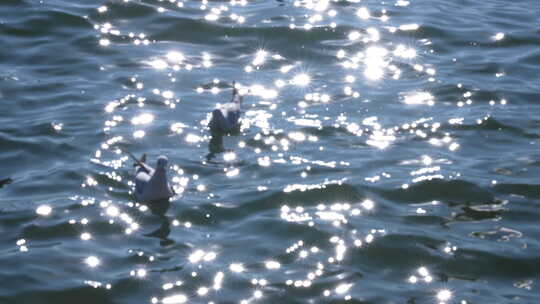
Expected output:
{"points": [[151, 184], [226, 118]]}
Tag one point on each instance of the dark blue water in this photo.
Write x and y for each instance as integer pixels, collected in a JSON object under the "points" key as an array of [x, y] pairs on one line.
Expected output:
{"points": [[388, 151]]}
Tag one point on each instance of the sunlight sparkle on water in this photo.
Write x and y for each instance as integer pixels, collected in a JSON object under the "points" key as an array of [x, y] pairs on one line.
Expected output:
{"points": [[159, 64], [178, 127], [92, 261], [297, 136], [368, 204], [230, 156], [261, 91], [104, 42], [286, 68], [404, 52], [444, 295], [380, 140], [498, 36], [212, 16], [237, 267], [402, 3], [167, 94], [301, 80], [374, 35], [232, 172], [423, 271], [142, 119], [453, 146], [175, 299], [409, 27], [210, 256], [192, 138], [272, 265], [340, 251], [167, 286], [264, 161], [279, 83], [316, 5], [202, 291], [139, 134], [354, 35], [218, 280], [22, 245], [375, 62], [418, 98], [363, 13], [175, 57], [343, 288], [369, 238], [56, 126], [200, 255], [260, 58], [141, 273], [44, 210], [113, 211]]}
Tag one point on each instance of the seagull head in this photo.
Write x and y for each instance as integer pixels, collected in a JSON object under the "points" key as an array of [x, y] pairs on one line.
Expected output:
{"points": [[162, 161]]}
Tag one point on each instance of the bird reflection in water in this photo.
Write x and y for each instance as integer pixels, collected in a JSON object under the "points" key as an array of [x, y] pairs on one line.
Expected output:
{"points": [[215, 146], [159, 208]]}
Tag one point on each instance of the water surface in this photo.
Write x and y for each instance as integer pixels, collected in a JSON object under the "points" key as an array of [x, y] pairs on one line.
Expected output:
{"points": [[388, 151]]}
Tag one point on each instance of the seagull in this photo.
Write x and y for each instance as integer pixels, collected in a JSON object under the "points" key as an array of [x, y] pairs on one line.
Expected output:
{"points": [[151, 184], [225, 119], [5, 181]]}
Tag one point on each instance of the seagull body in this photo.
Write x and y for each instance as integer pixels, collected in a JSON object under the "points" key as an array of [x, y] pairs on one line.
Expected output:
{"points": [[226, 118], [152, 184]]}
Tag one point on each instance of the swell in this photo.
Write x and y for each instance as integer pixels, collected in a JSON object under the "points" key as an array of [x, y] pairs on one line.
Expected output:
{"points": [[83, 295], [41, 141], [486, 92], [526, 190], [492, 124], [456, 191], [253, 204], [193, 31], [41, 25], [465, 262]]}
